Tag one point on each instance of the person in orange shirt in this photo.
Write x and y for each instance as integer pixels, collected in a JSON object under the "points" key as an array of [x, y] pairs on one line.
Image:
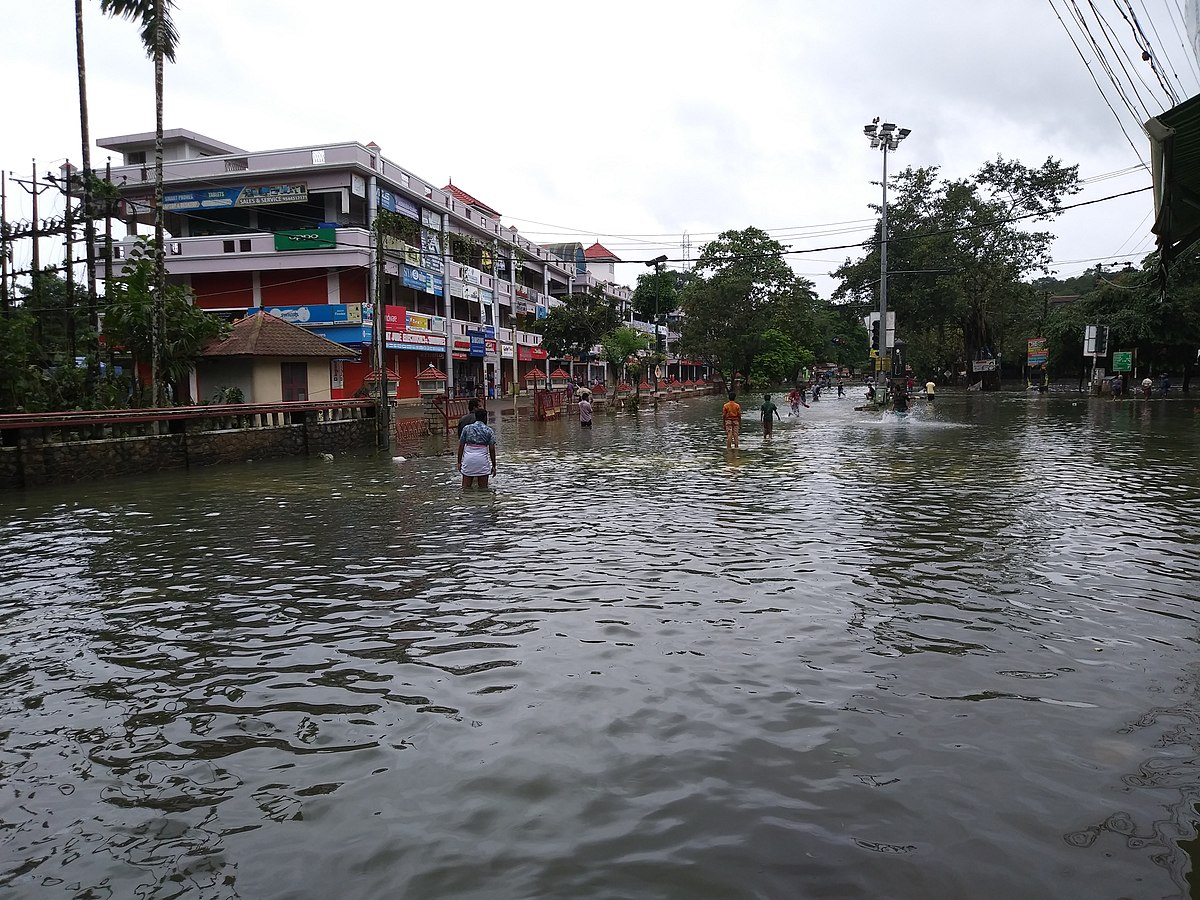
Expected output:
{"points": [[731, 414]]}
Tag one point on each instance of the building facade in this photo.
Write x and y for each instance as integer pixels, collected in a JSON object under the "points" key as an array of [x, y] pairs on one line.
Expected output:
{"points": [[291, 232]]}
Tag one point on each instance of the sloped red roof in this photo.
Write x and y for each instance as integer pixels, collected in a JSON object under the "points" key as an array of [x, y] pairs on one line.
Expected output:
{"points": [[599, 251], [463, 197], [262, 334]]}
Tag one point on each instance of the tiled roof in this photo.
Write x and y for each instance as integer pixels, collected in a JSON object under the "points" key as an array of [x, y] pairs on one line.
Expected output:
{"points": [[463, 197], [599, 251], [265, 335]]}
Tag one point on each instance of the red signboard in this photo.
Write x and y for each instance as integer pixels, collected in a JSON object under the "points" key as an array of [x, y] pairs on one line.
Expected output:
{"points": [[395, 318], [526, 354]]}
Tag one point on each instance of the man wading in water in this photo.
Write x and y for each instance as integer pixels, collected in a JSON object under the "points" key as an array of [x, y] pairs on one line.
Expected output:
{"points": [[477, 452]]}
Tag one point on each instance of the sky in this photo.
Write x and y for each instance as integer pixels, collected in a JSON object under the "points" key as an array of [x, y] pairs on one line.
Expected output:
{"points": [[650, 126]]}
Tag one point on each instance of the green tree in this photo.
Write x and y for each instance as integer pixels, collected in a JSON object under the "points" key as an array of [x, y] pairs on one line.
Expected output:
{"points": [[160, 39], [960, 250], [619, 344], [130, 324], [778, 358], [577, 325], [659, 293], [744, 287]]}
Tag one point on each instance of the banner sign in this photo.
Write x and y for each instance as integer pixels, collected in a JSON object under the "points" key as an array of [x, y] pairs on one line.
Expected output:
{"points": [[430, 219], [318, 314], [308, 239], [1037, 353], [983, 365], [527, 354], [226, 198], [431, 251], [396, 204], [401, 340], [420, 280], [506, 351]]}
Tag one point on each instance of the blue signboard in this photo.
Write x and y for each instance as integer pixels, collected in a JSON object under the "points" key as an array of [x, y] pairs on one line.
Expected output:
{"points": [[542, 311], [482, 331], [351, 336], [226, 198], [478, 345], [420, 280], [397, 204], [350, 313]]}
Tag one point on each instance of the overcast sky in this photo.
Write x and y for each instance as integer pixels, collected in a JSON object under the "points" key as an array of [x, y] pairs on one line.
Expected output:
{"points": [[631, 123]]}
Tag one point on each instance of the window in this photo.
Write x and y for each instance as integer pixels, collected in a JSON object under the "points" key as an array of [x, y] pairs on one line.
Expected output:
{"points": [[227, 246], [244, 245], [137, 158]]}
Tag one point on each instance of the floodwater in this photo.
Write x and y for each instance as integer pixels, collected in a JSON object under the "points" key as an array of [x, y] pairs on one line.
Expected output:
{"points": [[952, 656]]}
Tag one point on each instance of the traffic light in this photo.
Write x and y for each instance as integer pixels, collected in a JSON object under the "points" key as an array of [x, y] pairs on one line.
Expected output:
{"points": [[1102, 340], [660, 343], [875, 335]]}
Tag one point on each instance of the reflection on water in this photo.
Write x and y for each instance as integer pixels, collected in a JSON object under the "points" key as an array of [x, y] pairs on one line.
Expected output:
{"points": [[948, 655]]}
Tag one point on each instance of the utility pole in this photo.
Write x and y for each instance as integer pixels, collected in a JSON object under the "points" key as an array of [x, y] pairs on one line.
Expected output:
{"points": [[69, 224], [4, 243], [34, 188], [89, 221], [884, 137]]}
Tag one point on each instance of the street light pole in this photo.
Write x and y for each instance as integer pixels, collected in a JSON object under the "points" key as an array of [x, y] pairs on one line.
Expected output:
{"points": [[657, 263], [884, 137]]}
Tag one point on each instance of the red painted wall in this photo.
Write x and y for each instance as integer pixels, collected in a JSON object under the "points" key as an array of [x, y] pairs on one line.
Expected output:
{"points": [[294, 287], [353, 285], [223, 290]]}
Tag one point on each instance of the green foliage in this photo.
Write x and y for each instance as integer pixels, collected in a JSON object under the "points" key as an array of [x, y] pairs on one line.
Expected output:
{"points": [[959, 257], [621, 343], [576, 326], [143, 13], [778, 358], [743, 290], [128, 322], [659, 293], [228, 395]]}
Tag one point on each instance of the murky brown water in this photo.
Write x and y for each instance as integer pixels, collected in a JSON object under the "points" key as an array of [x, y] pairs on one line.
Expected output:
{"points": [[951, 657]]}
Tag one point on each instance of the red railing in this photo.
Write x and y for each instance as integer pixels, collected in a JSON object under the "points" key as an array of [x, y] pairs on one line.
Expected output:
{"points": [[410, 431], [549, 404], [105, 423], [454, 408]]}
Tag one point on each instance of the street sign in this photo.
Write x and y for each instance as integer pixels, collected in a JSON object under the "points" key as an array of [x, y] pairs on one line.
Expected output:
{"points": [[1036, 354], [1123, 361]]}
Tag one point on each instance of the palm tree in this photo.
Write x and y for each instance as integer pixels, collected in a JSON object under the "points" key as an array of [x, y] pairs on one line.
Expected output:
{"points": [[89, 221], [160, 39]]}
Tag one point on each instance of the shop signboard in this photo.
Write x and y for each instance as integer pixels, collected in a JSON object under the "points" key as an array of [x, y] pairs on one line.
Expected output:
{"points": [[528, 354], [430, 219], [397, 204], [306, 239], [506, 351], [473, 328], [478, 345], [1122, 361], [431, 251], [471, 292], [420, 280], [1037, 353], [395, 318], [543, 312], [317, 314], [405, 340], [229, 197], [486, 297], [471, 276]]}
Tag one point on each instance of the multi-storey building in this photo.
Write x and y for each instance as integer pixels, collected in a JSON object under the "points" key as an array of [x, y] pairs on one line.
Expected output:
{"points": [[290, 231]]}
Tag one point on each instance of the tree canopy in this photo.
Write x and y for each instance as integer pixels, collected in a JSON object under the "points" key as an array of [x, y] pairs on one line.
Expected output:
{"points": [[958, 251], [743, 289], [577, 325]]}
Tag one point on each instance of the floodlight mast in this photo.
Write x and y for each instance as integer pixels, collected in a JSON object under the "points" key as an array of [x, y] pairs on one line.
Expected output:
{"points": [[884, 137]]}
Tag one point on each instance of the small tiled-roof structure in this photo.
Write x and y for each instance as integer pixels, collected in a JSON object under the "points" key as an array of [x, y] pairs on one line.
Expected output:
{"points": [[463, 197], [263, 334], [598, 252]]}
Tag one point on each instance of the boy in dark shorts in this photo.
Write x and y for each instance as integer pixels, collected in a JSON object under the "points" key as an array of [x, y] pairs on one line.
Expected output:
{"points": [[770, 412]]}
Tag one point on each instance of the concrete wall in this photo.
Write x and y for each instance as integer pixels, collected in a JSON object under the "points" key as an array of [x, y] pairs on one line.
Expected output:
{"points": [[216, 372], [33, 464]]}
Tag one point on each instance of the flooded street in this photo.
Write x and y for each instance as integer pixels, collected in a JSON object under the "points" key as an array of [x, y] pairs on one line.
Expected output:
{"points": [[954, 656]]}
